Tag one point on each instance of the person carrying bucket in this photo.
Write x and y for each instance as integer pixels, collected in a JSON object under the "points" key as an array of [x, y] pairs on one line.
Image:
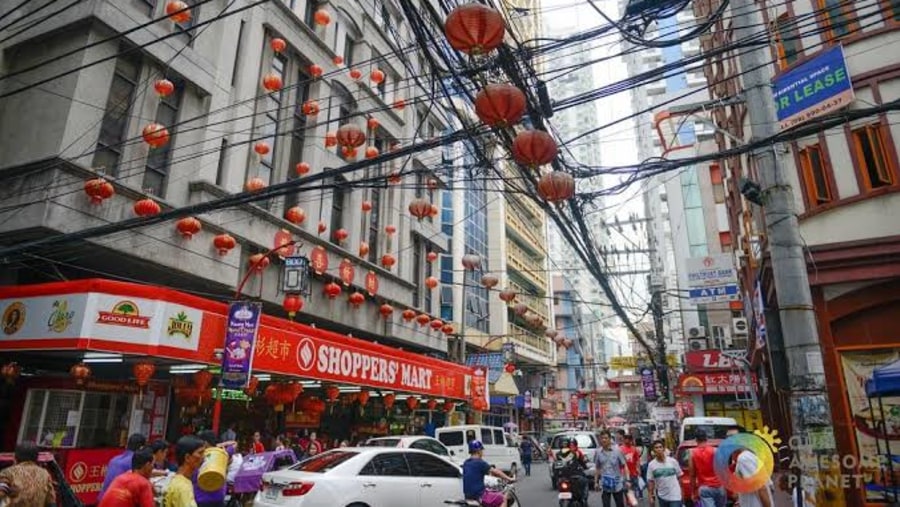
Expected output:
{"points": [[210, 479]]}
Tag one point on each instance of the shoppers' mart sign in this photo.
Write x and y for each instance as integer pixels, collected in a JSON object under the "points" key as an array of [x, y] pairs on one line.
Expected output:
{"points": [[812, 89]]}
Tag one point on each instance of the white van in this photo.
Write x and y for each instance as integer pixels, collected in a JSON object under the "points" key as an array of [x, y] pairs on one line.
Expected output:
{"points": [[716, 428], [500, 449]]}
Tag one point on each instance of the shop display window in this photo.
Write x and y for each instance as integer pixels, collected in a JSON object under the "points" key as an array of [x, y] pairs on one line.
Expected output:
{"points": [[60, 418]]}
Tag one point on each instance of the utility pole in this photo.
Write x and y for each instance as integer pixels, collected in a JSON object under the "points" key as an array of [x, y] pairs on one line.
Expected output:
{"points": [[795, 306], [662, 363]]}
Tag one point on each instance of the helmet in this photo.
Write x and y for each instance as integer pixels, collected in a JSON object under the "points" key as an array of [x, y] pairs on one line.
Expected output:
{"points": [[573, 442], [475, 446]]}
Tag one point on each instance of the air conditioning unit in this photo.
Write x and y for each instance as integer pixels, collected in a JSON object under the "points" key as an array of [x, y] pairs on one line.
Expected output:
{"points": [[697, 332], [697, 344], [740, 327]]}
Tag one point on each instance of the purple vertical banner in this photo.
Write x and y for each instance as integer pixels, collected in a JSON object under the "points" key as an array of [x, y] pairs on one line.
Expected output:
{"points": [[241, 329], [526, 403], [649, 384]]}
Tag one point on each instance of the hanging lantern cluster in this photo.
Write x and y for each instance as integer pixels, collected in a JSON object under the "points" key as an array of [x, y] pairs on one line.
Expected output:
{"points": [[188, 227], [420, 208], [508, 295], [10, 372], [252, 386], [292, 304], [163, 87], [146, 208], [98, 190], [143, 372], [471, 262], [295, 215], [80, 372], [178, 11], [350, 137], [282, 393], [224, 243]]}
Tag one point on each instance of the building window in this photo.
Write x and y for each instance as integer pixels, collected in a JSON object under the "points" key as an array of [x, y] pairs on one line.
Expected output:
{"points": [[838, 15], [892, 7], [788, 41], [872, 157], [157, 170], [114, 126], [349, 46], [417, 279], [476, 241], [298, 135], [309, 15], [237, 53], [268, 129], [338, 197], [47, 418], [220, 169], [815, 176], [374, 218]]}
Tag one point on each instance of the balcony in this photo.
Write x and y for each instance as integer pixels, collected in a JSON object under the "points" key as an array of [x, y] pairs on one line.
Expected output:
{"points": [[531, 347], [526, 266], [526, 234], [536, 304]]}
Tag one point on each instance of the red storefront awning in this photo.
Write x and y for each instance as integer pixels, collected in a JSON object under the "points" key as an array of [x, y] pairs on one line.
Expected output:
{"points": [[110, 316]]}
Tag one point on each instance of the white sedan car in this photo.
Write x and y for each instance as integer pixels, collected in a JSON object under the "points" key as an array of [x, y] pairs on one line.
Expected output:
{"points": [[364, 477], [423, 443]]}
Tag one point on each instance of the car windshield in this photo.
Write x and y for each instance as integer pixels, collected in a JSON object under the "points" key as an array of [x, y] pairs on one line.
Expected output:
{"points": [[712, 431], [324, 462], [383, 442], [584, 441]]}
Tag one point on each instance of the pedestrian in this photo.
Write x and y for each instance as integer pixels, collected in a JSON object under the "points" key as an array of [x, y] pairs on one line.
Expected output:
{"points": [[26, 483], [663, 473], [160, 449], [609, 465], [122, 463], [257, 447], [279, 443], [527, 448], [229, 434], [747, 465], [189, 454], [632, 459], [705, 485], [211, 498], [314, 446], [132, 489]]}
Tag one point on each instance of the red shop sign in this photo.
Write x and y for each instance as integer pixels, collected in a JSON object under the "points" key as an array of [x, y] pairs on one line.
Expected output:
{"points": [[347, 272], [708, 360], [296, 349], [318, 260], [85, 470], [716, 383], [371, 283]]}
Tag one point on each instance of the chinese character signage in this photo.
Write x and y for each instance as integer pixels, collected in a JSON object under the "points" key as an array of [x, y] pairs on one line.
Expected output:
{"points": [[716, 383], [371, 283], [649, 384], [240, 337]]}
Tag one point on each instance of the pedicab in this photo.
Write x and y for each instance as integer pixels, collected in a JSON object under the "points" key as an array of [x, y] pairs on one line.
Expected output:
{"points": [[248, 478]]}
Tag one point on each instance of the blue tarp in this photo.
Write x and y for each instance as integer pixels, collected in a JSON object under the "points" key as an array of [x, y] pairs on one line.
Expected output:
{"points": [[885, 381]]}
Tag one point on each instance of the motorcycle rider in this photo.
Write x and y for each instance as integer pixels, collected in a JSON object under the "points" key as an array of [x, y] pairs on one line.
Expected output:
{"points": [[474, 470], [578, 462]]}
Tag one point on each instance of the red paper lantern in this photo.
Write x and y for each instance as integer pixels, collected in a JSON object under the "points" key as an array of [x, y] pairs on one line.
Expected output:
{"points": [[350, 136], [262, 148], [434, 211], [341, 235], [489, 281], [372, 123], [371, 152], [322, 17], [315, 70], [533, 148], [356, 299], [551, 333], [408, 314], [431, 404], [423, 319], [292, 304], [363, 249], [302, 168], [419, 208], [437, 324], [163, 87], [556, 186], [146, 207], [389, 401], [431, 256], [520, 309], [330, 140], [448, 329], [178, 11], [412, 403], [272, 82], [258, 262], [332, 290], [143, 372], [10, 372], [349, 153], [98, 189], [377, 76], [474, 29], [338, 60], [567, 343], [255, 185], [362, 397], [252, 386], [471, 261], [507, 295], [388, 261], [155, 135], [310, 108], [355, 74], [386, 310], [332, 393], [399, 104], [224, 243], [500, 105], [322, 227], [448, 406], [295, 215], [431, 282], [80, 372], [278, 45], [188, 226]]}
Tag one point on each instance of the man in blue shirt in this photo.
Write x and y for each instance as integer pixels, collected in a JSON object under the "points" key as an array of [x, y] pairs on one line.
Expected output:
{"points": [[121, 463], [474, 471]]}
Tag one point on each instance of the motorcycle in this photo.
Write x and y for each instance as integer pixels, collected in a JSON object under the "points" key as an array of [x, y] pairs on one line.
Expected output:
{"points": [[572, 486], [494, 484]]}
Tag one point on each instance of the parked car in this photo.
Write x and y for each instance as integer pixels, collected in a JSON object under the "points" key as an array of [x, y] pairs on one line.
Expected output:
{"points": [[356, 476], [587, 442], [429, 444], [500, 449]]}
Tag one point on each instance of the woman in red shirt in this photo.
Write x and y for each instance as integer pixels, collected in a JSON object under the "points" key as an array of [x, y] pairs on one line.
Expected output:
{"points": [[257, 447]]}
